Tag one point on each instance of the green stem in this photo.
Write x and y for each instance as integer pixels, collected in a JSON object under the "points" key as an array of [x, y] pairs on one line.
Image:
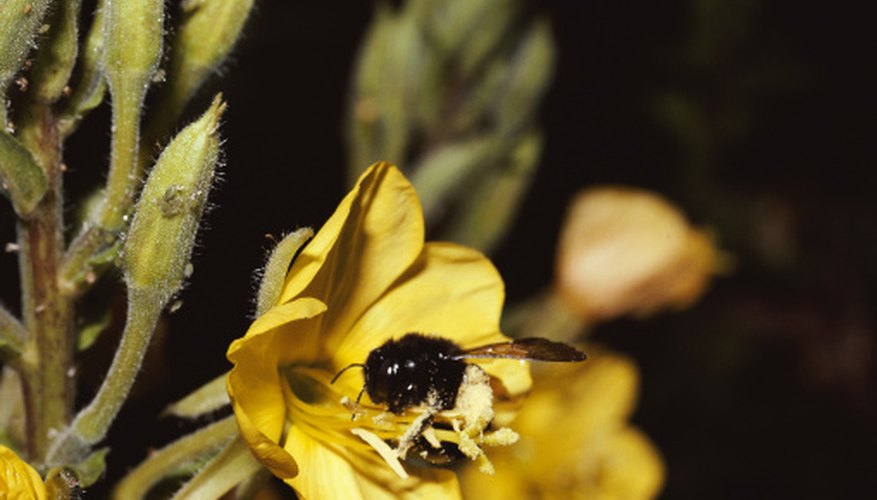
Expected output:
{"points": [[124, 165], [125, 171], [47, 314], [175, 458], [93, 421]]}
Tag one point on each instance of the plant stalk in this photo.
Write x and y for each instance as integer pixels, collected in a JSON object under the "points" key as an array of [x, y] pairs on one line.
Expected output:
{"points": [[46, 363]]}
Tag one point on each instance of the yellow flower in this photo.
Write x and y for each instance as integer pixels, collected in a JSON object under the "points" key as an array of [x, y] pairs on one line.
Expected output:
{"points": [[575, 439], [624, 250], [367, 276], [18, 480]]}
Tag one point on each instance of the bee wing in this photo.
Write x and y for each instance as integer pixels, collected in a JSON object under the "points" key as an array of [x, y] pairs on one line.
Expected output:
{"points": [[534, 348]]}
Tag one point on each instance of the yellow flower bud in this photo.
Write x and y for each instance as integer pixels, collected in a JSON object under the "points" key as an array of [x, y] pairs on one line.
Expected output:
{"points": [[18, 480], [625, 250], [166, 218]]}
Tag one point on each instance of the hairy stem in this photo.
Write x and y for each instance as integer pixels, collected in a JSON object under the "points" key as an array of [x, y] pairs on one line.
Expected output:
{"points": [[126, 168], [176, 457], [93, 421], [46, 313]]}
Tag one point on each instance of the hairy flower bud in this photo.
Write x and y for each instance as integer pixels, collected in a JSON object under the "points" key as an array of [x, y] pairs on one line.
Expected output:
{"points": [[57, 55], [89, 88], [624, 250], [133, 35], [166, 217], [204, 39], [19, 22]]}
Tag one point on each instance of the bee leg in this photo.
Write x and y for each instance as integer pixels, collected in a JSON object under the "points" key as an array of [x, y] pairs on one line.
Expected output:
{"points": [[358, 397], [414, 431]]}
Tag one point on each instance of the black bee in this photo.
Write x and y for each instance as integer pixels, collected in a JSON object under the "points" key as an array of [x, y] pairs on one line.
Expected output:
{"points": [[422, 369]]}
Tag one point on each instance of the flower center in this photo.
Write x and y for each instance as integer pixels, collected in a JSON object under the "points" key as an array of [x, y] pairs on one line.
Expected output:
{"points": [[330, 414]]}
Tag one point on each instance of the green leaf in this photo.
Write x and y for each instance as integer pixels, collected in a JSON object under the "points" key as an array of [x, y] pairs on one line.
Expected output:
{"points": [[489, 205], [207, 398], [89, 333], [90, 470], [23, 181]]}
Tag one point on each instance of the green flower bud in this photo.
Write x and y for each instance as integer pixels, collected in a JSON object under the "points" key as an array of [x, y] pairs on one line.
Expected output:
{"points": [[89, 87], [21, 178], [274, 274], [203, 40], [19, 22], [132, 50], [166, 218], [57, 55], [133, 37]]}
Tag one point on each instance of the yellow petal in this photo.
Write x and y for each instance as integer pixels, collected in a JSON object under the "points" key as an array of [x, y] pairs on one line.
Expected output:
{"points": [[631, 467], [575, 438], [599, 393], [451, 291], [281, 315], [18, 480], [371, 239], [254, 384], [330, 473]]}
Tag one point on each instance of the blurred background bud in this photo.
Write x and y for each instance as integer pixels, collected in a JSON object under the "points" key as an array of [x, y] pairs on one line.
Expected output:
{"points": [[449, 90], [576, 440], [624, 250]]}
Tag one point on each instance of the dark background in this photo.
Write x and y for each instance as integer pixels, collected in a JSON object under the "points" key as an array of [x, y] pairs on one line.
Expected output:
{"points": [[765, 388]]}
